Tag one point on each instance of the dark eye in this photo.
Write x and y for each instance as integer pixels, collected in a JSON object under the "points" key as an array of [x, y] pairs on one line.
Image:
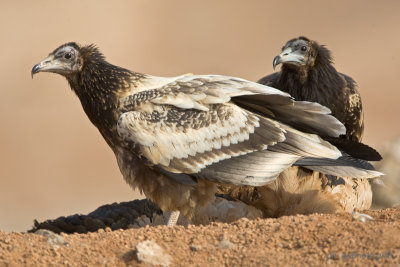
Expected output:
{"points": [[67, 55], [303, 48]]}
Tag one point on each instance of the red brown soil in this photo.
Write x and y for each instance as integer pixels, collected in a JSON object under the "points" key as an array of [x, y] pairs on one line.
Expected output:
{"points": [[315, 240]]}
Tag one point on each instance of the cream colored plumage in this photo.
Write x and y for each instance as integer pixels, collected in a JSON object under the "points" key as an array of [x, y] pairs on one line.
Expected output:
{"points": [[300, 191]]}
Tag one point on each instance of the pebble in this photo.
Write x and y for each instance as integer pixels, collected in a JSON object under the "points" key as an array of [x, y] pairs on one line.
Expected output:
{"points": [[53, 239], [356, 216], [151, 253], [194, 247], [226, 244]]}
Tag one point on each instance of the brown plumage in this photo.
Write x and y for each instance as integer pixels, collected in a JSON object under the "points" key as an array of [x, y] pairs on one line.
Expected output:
{"points": [[307, 74], [176, 138]]}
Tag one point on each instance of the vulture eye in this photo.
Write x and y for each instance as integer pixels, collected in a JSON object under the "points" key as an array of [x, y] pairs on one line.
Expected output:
{"points": [[303, 48], [67, 56]]}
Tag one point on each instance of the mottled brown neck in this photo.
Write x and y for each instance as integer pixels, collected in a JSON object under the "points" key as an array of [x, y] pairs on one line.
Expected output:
{"points": [[99, 85], [99, 80]]}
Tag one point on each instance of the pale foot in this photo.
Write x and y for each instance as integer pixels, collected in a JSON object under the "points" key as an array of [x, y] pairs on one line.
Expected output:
{"points": [[173, 218]]}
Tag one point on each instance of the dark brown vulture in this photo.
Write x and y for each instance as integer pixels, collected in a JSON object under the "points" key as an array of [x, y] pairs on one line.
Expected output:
{"points": [[307, 74], [176, 138]]}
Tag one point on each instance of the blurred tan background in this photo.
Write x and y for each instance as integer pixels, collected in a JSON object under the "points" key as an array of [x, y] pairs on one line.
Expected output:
{"points": [[53, 162]]}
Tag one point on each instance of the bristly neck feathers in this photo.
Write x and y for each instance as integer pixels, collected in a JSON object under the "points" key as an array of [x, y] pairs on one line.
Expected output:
{"points": [[310, 83], [99, 81], [99, 85]]}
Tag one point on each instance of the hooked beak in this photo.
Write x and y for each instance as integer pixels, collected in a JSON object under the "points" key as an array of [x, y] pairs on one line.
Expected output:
{"points": [[290, 57], [277, 61], [44, 65], [49, 64], [35, 69]]}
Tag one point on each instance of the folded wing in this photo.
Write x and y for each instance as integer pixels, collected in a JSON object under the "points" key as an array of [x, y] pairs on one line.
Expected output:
{"points": [[189, 125]]}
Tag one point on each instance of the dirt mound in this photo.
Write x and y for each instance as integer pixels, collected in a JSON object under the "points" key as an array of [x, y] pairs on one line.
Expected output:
{"points": [[290, 240]]}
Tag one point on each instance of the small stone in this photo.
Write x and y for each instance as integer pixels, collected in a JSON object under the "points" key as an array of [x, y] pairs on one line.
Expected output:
{"points": [[356, 216], [194, 247], [53, 239], [226, 244], [149, 252]]}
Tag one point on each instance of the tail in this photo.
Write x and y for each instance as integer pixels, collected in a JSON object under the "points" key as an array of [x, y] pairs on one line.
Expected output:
{"points": [[344, 166], [355, 149]]}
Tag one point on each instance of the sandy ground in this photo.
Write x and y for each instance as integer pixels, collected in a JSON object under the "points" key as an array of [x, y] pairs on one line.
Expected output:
{"points": [[313, 240]]}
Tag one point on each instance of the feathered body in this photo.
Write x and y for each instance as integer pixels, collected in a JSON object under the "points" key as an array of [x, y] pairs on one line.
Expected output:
{"points": [[176, 138], [100, 87]]}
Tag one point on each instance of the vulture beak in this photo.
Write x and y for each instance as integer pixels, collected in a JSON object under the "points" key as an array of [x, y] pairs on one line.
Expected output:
{"points": [[49, 64], [35, 69], [290, 57], [277, 61]]}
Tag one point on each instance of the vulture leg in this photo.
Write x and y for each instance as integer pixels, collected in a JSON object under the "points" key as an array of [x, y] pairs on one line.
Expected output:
{"points": [[173, 218]]}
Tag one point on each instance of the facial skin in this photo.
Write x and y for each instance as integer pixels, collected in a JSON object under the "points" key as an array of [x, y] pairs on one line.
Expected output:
{"points": [[298, 53], [64, 60]]}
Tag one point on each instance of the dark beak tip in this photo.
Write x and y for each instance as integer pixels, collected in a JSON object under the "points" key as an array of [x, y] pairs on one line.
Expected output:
{"points": [[276, 62], [35, 69]]}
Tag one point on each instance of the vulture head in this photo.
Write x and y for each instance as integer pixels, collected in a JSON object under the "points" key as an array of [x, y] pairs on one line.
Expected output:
{"points": [[302, 54], [65, 60]]}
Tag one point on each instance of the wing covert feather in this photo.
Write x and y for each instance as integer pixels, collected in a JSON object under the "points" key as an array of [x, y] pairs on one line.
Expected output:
{"points": [[188, 140]]}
